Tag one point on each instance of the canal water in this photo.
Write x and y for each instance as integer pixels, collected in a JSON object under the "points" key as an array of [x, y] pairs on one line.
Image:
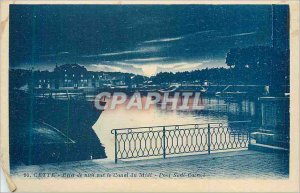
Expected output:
{"points": [[214, 109]]}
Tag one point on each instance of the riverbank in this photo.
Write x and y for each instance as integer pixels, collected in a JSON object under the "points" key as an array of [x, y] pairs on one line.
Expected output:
{"points": [[48, 130]]}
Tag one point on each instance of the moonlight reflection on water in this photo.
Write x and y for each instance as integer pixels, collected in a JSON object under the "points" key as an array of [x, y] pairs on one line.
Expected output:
{"points": [[155, 116]]}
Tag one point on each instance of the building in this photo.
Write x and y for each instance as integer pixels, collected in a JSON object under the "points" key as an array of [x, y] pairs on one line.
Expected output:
{"points": [[76, 76]]}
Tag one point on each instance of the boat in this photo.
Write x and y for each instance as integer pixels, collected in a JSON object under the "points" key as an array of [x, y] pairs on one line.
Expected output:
{"points": [[171, 89]]}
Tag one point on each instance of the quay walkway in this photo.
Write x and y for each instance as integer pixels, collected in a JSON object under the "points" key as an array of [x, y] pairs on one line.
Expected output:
{"points": [[243, 164]]}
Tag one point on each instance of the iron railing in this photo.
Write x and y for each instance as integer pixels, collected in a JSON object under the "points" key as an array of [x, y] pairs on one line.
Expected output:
{"points": [[179, 139]]}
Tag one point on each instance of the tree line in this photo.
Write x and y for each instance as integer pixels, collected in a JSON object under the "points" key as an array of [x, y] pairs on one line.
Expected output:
{"points": [[260, 65]]}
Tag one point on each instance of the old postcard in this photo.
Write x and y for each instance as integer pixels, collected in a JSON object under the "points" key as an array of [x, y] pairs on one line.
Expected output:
{"points": [[152, 96]]}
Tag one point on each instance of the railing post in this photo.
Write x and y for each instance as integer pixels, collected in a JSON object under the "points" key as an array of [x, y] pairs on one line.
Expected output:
{"points": [[116, 148], [164, 142], [208, 138], [249, 136]]}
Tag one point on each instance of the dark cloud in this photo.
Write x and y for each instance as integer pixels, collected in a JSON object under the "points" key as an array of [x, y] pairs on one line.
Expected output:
{"points": [[132, 37]]}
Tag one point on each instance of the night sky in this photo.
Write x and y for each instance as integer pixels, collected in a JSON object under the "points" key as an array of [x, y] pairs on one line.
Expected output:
{"points": [[142, 39]]}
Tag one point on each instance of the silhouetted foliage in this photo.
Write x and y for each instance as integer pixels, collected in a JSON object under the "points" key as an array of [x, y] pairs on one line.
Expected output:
{"points": [[260, 64]]}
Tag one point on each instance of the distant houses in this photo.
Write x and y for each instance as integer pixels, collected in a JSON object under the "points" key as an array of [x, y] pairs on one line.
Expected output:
{"points": [[75, 76]]}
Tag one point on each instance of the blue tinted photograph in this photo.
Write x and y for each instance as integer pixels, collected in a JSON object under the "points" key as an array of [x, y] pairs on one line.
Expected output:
{"points": [[149, 91]]}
